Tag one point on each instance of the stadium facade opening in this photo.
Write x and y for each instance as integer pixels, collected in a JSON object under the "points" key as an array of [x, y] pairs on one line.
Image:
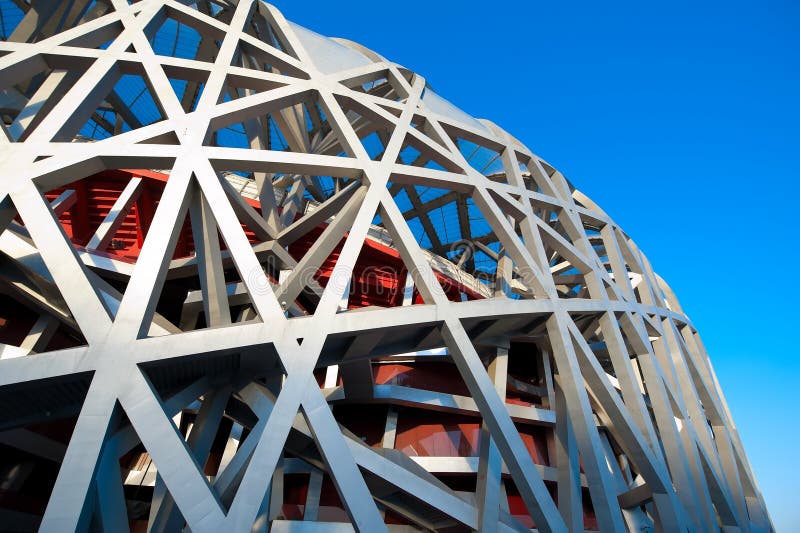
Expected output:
{"points": [[252, 277]]}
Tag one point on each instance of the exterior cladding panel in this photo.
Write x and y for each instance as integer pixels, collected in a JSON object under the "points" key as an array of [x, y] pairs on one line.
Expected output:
{"points": [[344, 303]]}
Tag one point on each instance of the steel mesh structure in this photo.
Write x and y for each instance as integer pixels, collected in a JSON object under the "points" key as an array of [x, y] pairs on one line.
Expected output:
{"points": [[252, 277]]}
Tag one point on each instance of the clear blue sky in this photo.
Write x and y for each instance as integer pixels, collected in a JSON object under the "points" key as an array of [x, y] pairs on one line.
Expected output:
{"points": [[682, 121]]}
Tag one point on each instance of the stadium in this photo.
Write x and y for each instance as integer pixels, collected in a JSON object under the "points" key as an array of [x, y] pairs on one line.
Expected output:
{"points": [[253, 278]]}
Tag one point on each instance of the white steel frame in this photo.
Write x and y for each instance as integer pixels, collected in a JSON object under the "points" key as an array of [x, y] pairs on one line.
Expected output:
{"points": [[654, 435]]}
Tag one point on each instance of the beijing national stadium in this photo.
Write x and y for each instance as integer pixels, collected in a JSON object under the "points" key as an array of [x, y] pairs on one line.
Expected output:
{"points": [[253, 278]]}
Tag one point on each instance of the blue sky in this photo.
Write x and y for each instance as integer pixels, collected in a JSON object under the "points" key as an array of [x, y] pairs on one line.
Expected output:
{"points": [[680, 119]]}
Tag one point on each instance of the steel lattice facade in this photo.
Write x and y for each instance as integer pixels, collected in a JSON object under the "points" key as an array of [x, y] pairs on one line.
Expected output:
{"points": [[252, 277]]}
